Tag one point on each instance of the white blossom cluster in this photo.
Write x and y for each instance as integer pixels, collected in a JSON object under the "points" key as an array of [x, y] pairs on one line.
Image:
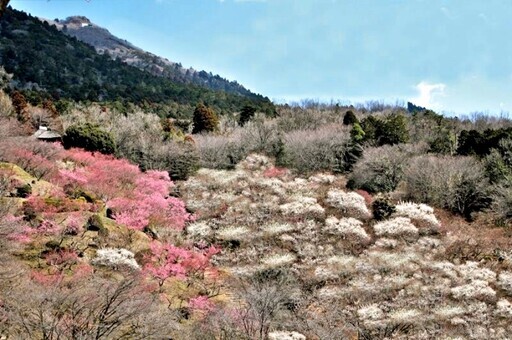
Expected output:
{"points": [[115, 258], [406, 316], [322, 179], [350, 203], [371, 316], [407, 275], [396, 227], [302, 205], [278, 228], [449, 312], [504, 309], [471, 271], [349, 228], [254, 162], [278, 260], [421, 214], [199, 229], [505, 281], [476, 289], [285, 335], [233, 233]]}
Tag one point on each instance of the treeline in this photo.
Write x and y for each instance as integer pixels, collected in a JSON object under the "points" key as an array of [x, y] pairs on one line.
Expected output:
{"points": [[46, 62]]}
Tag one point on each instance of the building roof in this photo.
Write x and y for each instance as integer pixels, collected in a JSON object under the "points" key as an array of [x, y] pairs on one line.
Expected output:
{"points": [[45, 133]]}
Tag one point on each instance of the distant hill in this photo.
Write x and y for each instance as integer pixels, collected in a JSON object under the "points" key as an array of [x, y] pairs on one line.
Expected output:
{"points": [[104, 42], [46, 61]]}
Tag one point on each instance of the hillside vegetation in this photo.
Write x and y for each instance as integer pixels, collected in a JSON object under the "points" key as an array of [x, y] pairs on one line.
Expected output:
{"points": [[106, 43], [310, 225], [46, 63], [171, 211]]}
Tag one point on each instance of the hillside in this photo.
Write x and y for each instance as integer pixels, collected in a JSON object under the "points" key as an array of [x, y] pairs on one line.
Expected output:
{"points": [[105, 43], [49, 63], [310, 261]]}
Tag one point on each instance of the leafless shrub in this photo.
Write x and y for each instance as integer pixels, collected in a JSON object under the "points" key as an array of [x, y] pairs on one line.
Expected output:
{"points": [[6, 108], [502, 205], [94, 308], [260, 301], [307, 118], [455, 183], [315, 150], [381, 169], [221, 152]]}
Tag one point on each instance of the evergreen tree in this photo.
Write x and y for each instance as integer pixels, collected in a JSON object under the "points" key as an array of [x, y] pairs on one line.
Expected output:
{"points": [[89, 137], [247, 113], [350, 118], [205, 119]]}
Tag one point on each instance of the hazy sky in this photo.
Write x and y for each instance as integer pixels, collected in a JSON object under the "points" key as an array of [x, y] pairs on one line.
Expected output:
{"points": [[449, 55]]}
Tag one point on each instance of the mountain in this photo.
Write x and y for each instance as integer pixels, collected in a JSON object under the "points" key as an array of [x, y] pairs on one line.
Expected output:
{"points": [[104, 42], [47, 63]]}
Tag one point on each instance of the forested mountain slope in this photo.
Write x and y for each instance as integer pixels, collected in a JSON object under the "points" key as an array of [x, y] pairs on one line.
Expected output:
{"points": [[45, 61]]}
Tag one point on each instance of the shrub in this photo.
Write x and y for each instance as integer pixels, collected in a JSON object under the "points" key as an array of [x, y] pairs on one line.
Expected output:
{"points": [[382, 209], [458, 184], [316, 150], [477, 143], [20, 107], [397, 227], [205, 119], [502, 205], [115, 258], [350, 118], [498, 164], [24, 191], [6, 108], [380, 169], [89, 137], [421, 214], [221, 152], [246, 114], [349, 228], [350, 203], [392, 130]]}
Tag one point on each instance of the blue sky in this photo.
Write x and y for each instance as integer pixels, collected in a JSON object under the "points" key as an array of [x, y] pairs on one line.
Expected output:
{"points": [[449, 55]]}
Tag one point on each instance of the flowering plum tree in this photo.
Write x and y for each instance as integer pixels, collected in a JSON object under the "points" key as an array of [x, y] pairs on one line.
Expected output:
{"points": [[166, 260]]}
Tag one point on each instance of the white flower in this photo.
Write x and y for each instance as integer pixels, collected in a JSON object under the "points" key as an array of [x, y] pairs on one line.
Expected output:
{"points": [[329, 293], [476, 289], [504, 308], [322, 179], [505, 281], [471, 271], [406, 315], [371, 312], [349, 227], [278, 228], [285, 335], [114, 258], [279, 260], [388, 243], [302, 205], [324, 273], [254, 162], [399, 226], [350, 203], [422, 214], [448, 312], [199, 229], [236, 233]]}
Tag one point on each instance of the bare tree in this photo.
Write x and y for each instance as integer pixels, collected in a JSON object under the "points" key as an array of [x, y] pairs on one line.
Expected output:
{"points": [[94, 308]]}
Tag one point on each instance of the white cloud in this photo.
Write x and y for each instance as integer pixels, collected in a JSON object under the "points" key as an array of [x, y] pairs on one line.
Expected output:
{"points": [[428, 95]]}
